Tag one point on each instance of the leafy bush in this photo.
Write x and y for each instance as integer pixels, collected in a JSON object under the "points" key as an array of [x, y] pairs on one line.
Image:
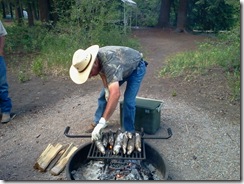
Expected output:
{"points": [[230, 42], [24, 39], [90, 22], [210, 15], [147, 13], [225, 52]]}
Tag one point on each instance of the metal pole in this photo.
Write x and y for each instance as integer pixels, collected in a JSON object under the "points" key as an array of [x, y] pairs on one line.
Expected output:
{"points": [[124, 19]]}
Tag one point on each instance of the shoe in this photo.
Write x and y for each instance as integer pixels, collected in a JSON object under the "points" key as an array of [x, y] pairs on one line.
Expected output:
{"points": [[5, 118]]}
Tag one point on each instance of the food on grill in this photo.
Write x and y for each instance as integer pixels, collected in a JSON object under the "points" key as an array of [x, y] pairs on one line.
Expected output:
{"points": [[129, 135], [105, 140], [118, 132], [111, 138], [138, 142], [125, 142], [112, 142], [100, 146], [118, 142], [131, 145]]}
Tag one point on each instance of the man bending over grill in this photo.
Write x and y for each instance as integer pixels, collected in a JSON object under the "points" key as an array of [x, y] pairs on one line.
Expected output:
{"points": [[115, 65]]}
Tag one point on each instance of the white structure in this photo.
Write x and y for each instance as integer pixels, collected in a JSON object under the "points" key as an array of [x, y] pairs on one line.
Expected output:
{"points": [[25, 14], [130, 3]]}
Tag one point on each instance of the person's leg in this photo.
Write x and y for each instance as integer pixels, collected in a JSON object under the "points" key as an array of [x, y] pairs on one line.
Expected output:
{"points": [[129, 105], [5, 101]]}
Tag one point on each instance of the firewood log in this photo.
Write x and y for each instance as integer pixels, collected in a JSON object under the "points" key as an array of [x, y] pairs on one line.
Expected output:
{"points": [[59, 167], [47, 156]]}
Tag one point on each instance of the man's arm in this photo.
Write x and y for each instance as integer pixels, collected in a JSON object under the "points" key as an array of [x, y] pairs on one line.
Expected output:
{"points": [[114, 95], [2, 42], [109, 110], [103, 77], [3, 32]]}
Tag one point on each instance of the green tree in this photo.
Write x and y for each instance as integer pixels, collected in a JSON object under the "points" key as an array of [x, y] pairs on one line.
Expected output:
{"points": [[148, 12], [44, 8], [182, 15], [189, 14], [210, 15], [164, 14]]}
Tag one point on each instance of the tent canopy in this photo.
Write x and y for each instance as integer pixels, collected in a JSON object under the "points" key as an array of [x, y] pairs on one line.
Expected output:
{"points": [[129, 2]]}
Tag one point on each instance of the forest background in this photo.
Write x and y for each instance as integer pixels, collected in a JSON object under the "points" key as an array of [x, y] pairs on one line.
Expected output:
{"points": [[199, 83], [53, 30]]}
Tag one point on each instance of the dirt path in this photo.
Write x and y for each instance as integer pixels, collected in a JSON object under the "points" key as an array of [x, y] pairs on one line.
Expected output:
{"points": [[206, 128]]}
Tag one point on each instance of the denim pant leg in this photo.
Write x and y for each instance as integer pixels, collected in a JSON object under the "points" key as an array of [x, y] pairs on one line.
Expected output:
{"points": [[129, 104], [101, 106], [5, 101]]}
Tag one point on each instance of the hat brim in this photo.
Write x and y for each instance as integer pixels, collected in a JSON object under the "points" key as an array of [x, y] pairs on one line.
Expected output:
{"points": [[80, 78]]}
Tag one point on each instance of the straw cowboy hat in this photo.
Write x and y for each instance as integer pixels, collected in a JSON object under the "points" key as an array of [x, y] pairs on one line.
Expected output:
{"points": [[82, 63]]}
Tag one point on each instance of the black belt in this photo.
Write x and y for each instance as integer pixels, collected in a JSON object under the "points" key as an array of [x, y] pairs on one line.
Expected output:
{"points": [[146, 63]]}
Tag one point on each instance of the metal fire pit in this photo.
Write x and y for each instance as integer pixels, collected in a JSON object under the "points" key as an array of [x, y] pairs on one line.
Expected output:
{"points": [[94, 153], [79, 158]]}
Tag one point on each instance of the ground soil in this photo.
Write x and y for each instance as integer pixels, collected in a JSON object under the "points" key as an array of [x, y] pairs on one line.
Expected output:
{"points": [[206, 126]]}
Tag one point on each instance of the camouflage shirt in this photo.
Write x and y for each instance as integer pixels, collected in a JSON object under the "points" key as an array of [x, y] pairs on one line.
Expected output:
{"points": [[118, 62]]}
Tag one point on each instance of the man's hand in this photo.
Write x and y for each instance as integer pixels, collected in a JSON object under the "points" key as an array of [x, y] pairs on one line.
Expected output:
{"points": [[106, 93], [96, 133]]}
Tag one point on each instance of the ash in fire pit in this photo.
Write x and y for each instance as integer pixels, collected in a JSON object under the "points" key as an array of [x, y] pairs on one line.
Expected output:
{"points": [[117, 170]]}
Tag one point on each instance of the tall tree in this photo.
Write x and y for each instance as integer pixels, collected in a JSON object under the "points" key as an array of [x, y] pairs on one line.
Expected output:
{"points": [[181, 17], [4, 10], [11, 10], [35, 10], [18, 12], [164, 14], [30, 14], [44, 10]]}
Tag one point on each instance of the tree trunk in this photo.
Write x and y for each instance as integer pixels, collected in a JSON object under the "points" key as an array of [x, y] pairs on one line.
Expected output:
{"points": [[35, 10], [18, 12], [4, 11], [11, 10], [181, 17], [30, 14], [164, 15], [44, 10]]}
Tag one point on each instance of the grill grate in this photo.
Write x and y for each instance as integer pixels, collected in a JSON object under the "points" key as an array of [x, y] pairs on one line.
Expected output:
{"points": [[94, 153]]}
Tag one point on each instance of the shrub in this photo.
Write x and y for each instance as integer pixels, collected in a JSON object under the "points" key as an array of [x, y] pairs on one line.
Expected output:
{"points": [[225, 52]]}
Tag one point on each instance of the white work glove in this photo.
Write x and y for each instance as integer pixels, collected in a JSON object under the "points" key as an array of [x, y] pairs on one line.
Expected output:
{"points": [[96, 133], [106, 93]]}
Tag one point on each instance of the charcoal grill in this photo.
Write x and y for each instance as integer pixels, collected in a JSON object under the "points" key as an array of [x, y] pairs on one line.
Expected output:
{"points": [[79, 158], [94, 153]]}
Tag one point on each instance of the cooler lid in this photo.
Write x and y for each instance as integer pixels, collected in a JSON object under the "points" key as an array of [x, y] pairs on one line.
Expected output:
{"points": [[148, 103]]}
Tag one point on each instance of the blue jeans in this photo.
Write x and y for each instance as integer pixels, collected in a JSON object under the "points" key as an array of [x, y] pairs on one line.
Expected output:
{"points": [[5, 101], [129, 104]]}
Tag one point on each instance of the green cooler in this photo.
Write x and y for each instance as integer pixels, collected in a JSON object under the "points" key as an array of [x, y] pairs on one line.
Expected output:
{"points": [[148, 114]]}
